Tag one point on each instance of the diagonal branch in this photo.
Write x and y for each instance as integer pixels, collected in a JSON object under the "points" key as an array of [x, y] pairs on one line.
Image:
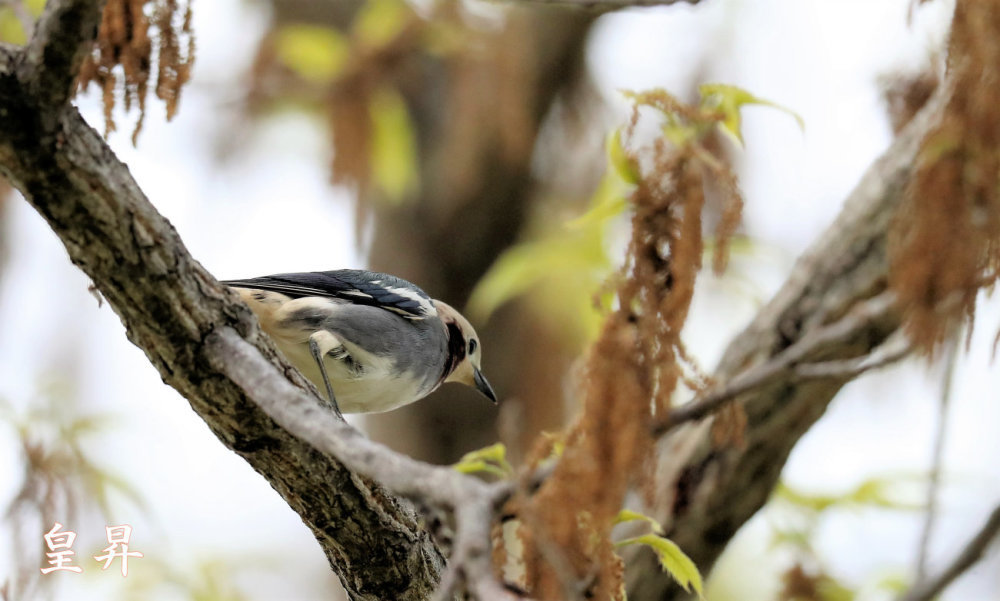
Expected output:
{"points": [[937, 457], [706, 493], [471, 501], [170, 306], [293, 409], [791, 364], [63, 37], [970, 554]]}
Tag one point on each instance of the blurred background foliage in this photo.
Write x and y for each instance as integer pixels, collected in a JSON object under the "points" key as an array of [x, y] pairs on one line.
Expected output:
{"points": [[474, 144], [61, 482]]}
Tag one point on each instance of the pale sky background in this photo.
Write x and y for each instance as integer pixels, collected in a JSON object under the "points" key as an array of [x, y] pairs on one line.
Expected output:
{"points": [[269, 208]]}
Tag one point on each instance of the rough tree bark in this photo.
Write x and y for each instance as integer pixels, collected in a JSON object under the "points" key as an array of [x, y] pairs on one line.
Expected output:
{"points": [[706, 493], [169, 305]]}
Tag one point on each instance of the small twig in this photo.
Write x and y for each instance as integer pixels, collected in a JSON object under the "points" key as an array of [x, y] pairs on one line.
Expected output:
{"points": [[789, 361], [970, 554], [937, 459], [892, 350]]}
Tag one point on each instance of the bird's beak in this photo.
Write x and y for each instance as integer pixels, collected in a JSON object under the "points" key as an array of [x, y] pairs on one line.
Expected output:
{"points": [[483, 386]]}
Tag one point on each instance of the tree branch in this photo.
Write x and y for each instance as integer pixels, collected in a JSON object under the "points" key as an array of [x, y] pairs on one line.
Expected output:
{"points": [[204, 343], [171, 306], [937, 456], [970, 554], [472, 501], [704, 492], [790, 365], [63, 37]]}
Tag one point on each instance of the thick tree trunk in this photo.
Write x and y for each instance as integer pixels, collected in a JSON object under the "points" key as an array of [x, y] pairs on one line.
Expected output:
{"points": [[447, 238]]}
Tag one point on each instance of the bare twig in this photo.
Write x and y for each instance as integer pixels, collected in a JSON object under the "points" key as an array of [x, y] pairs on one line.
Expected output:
{"points": [[971, 553], [790, 362], [892, 350], [937, 458]]}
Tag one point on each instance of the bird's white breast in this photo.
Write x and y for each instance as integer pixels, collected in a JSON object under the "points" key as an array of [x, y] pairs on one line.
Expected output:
{"points": [[377, 386]]}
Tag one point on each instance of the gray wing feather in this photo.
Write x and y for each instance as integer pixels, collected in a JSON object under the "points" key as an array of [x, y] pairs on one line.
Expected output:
{"points": [[356, 286]]}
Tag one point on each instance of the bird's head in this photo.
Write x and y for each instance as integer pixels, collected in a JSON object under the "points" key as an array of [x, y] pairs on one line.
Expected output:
{"points": [[464, 351]]}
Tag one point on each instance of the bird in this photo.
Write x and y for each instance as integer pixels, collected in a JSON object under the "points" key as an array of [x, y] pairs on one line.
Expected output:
{"points": [[375, 342]]}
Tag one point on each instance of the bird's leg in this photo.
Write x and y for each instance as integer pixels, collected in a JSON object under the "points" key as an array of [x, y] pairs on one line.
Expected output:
{"points": [[318, 356]]}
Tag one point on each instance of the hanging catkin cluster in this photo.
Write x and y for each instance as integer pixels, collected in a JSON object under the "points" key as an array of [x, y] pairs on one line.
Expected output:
{"points": [[946, 240], [136, 37], [634, 367]]}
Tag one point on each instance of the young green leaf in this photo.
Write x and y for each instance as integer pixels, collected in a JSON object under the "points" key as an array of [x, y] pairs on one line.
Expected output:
{"points": [[318, 54], [379, 21], [393, 146], [479, 467], [729, 100], [887, 492], [607, 201], [564, 263], [673, 560], [627, 515], [624, 165], [491, 459]]}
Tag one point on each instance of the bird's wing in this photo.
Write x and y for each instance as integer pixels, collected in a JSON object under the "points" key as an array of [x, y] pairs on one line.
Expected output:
{"points": [[351, 285]]}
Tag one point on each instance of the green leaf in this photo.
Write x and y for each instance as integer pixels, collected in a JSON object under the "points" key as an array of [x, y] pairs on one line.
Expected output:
{"points": [[561, 271], [393, 146], [607, 202], [896, 583], [491, 459], [680, 134], [624, 165], [673, 560], [880, 491], [318, 54], [497, 453], [479, 467], [525, 265], [379, 21], [627, 515], [729, 100], [11, 30], [831, 589]]}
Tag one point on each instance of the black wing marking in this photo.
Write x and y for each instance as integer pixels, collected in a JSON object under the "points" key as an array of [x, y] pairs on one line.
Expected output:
{"points": [[353, 285]]}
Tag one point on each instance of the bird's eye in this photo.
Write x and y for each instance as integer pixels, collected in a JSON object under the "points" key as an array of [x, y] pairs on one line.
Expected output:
{"points": [[472, 346]]}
